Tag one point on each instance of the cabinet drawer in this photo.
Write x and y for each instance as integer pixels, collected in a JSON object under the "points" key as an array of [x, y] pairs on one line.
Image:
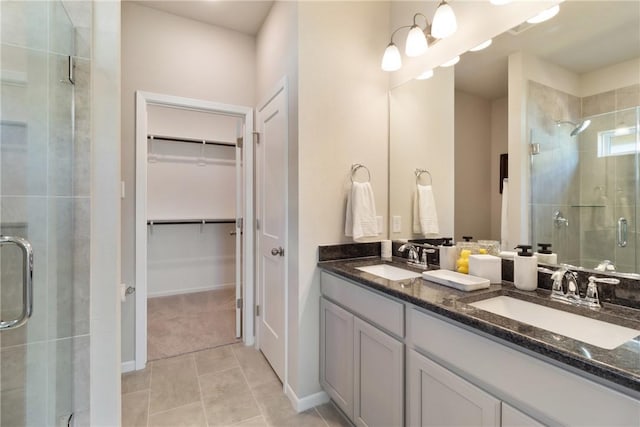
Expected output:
{"points": [[382, 311]]}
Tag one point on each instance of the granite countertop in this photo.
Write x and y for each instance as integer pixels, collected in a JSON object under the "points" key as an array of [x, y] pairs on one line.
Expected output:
{"points": [[620, 366]]}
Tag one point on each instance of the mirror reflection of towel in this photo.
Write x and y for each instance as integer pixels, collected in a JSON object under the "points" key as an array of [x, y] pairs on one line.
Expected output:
{"points": [[361, 215], [425, 217]]}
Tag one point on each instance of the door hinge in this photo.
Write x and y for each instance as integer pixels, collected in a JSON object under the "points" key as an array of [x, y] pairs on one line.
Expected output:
{"points": [[534, 148], [239, 223], [239, 303], [239, 142], [257, 224], [256, 137], [257, 311]]}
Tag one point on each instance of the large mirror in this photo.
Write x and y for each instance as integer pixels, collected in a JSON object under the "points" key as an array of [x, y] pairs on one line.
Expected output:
{"points": [[526, 96]]}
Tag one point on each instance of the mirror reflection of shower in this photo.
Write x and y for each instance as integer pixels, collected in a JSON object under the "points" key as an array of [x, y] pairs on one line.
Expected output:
{"points": [[578, 128], [584, 176]]}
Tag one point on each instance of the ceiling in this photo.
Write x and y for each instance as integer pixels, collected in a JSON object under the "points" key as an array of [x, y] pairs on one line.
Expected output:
{"points": [[238, 15], [583, 37]]}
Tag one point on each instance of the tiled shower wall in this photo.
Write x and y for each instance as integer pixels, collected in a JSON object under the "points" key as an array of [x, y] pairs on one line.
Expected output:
{"points": [[568, 176], [45, 198], [558, 162], [609, 184]]}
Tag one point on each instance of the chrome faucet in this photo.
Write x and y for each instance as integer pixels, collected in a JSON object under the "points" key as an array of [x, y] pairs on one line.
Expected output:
{"points": [[572, 294], [414, 257], [591, 299], [413, 252]]}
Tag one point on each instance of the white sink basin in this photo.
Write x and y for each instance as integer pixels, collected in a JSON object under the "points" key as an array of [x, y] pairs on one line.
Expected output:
{"points": [[389, 272], [592, 331]]}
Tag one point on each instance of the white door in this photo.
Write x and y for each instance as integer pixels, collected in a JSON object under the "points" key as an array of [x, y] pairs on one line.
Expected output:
{"points": [[271, 198]]}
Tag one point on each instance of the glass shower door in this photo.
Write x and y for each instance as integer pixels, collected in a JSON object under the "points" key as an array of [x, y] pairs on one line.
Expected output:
{"points": [[585, 191], [44, 200]]}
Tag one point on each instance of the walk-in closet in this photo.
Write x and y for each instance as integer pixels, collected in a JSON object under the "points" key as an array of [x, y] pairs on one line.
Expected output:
{"points": [[193, 194]]}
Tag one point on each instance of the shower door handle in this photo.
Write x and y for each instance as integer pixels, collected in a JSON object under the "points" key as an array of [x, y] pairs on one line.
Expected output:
{"points": [[27, 281], [622, 232]]}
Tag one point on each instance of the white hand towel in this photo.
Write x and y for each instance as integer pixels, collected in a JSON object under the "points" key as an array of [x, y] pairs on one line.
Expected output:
{"points": [[425, 217], [361, 212], [504, 228]]}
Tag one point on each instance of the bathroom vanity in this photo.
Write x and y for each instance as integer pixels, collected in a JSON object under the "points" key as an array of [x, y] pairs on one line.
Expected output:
{"points": [[412, 352]]}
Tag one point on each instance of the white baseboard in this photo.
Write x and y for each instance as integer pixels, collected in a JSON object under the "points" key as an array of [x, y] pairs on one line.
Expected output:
{"points": [[307, 402], [129, 366], [190, 290]]}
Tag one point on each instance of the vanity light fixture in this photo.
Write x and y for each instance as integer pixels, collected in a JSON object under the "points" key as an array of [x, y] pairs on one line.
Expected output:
{"points": [[391, 61], [451, 62], [444, 21], [417, 43], [425, 75], [419, 39], [482, 45], [545, 15]]}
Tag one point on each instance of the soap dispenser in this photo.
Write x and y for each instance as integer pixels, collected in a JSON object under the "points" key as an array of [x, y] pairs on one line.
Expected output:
{"points": [[545, 255], [447, 254], [525, 269]]}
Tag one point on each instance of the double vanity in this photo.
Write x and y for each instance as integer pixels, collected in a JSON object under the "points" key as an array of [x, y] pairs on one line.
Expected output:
{"points": [[396, 350]]}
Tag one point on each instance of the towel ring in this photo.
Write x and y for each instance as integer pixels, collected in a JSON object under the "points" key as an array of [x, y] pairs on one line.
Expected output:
{"points": [[354, 169], [419, 173]]}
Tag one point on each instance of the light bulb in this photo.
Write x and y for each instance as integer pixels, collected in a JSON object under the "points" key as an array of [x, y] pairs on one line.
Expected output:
{"points": [[451, 62], [425, 75], [444, 21], [416, 42], [391, 61], [545, 15], [482, 45]]}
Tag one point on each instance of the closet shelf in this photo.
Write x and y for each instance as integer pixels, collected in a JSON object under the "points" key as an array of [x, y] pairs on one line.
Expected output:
{"points": [[191, 221], [190, 140]]}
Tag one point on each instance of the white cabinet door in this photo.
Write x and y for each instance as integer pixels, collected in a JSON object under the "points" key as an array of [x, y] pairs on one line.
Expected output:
{"points": [[378, 377], [336, 354], [437, 397], [511, 417]]}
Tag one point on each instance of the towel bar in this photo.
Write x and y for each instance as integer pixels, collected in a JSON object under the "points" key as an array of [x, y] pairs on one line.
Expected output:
{"points": [[354, 169], [419, 173]]}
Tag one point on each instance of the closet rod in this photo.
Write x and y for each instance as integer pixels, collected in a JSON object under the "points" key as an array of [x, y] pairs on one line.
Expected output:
{"points": [[190, 221], [190, 140]]}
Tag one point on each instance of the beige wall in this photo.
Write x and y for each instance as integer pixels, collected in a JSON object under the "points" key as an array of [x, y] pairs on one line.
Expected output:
{"points": [[343, 120], [167, 54], [472, 166], [499, 145]]}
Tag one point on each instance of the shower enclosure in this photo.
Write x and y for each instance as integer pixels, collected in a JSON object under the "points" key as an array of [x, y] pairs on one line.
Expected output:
{"points": [[585, 187], [44, 206]]}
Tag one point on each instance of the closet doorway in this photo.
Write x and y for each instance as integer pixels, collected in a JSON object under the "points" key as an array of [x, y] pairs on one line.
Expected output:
{"points": [[193, 195]]}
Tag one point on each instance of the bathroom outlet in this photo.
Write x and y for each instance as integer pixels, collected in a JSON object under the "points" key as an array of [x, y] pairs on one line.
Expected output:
{"points": [[380, 221], [397, 224]]}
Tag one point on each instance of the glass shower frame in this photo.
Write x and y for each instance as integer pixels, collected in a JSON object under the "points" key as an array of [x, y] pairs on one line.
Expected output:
{"points": [[45, 198]]}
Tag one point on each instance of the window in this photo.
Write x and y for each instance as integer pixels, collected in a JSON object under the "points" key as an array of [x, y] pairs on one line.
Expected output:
{"points": [[618, 142]]}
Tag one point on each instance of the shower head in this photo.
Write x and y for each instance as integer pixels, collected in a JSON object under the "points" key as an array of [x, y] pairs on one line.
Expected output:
{"points": [[578, 128]]}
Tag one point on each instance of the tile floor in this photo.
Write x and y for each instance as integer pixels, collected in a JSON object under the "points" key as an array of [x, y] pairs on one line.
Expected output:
{"points": [[223, 386], [181, 324]]}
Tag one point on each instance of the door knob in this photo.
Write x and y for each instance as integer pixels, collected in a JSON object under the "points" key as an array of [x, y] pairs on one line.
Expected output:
{"points": [[277, 251]]}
